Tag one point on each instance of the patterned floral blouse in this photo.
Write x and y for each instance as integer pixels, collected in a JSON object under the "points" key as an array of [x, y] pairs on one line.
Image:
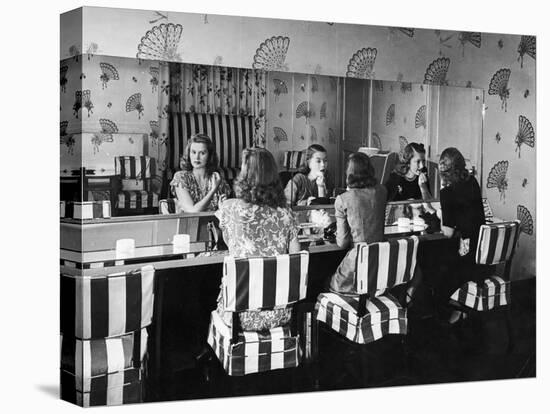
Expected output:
{"points": [[186, 179], [252, 230]]}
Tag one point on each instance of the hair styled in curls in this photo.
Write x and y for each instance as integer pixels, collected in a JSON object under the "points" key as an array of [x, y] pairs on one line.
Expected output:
{"points": [[360, 172], [310, 151], [258, 182], [211, 164], [452, 167], [408, 153]]}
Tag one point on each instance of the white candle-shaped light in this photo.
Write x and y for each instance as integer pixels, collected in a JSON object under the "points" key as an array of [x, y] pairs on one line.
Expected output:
{"points": [[181, 243], [125, 247]]}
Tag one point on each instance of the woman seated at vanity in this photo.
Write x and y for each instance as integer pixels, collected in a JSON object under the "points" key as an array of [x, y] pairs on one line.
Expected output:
{"points": [[199, 186], [313, 180], [409, 180], [258, 223], [359, 216]]}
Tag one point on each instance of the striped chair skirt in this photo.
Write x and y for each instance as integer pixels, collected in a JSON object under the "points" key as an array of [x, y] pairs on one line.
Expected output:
{"points": [[253, 351], [384, 315]]}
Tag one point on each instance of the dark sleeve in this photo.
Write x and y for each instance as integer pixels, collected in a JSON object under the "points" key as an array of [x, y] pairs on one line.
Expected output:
{"points": [[392, 186], [448, 211]]}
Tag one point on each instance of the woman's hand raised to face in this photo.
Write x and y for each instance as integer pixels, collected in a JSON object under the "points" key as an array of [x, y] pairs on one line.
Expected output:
{"points": [[320, 180], [215, 180]]}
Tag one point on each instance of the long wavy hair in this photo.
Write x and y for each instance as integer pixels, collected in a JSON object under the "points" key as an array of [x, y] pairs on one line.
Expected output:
{"points": [[310, 151], [360, 172], [212, 163], [258, 182], [452, 167], [404, 163]]}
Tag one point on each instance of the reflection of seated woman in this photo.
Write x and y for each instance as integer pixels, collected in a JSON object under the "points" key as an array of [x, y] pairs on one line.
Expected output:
{"points": [[199, 186], [408, 181], [462, 214], [258, 223], [359, 217], [312, 181]]}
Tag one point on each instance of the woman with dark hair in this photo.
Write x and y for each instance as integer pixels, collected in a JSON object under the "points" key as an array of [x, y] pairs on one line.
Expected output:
{"points": [[461, 215], [199, 186], [258, 223], [409, 180], [312, 181], [359, 217]]}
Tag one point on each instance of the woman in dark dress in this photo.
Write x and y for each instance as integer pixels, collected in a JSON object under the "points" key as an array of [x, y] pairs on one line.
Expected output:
{"points": [[409, 180], [462, 215]]}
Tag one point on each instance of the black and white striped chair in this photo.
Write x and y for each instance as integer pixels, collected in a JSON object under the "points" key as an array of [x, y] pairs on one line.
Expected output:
{"points": [[136, 195], [104, 324], [167, 206], [259, 283], [374, 312], [85, 210], [496, 245], [292, 160]]}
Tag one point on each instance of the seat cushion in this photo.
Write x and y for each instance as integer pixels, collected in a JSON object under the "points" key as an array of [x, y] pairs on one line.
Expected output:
{"points": [[384, 316], [137, 199], [492, 293], [253, 351]]}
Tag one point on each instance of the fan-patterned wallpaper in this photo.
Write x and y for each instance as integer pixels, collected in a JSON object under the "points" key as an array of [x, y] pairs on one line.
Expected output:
{"points": [[503, 65]]}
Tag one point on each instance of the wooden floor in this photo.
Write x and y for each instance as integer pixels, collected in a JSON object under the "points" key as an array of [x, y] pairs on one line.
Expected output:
{"points": [[437, 354]]}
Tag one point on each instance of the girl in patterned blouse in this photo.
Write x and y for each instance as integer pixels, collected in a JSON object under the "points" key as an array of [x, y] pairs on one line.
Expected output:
{"points": [[258, 223], [199, 186]]}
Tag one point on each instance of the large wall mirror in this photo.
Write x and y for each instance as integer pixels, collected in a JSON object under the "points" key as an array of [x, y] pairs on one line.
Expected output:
{"points": [[117, 113]]}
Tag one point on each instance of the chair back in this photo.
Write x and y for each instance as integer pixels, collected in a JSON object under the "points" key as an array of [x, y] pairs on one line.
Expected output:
{"points": [[264, 282], [292, 159], [497, 242], [167, 206], [131, 167], [111, 305], [380, 266]]}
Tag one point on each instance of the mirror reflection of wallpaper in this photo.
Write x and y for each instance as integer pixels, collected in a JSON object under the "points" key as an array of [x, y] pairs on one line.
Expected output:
{"points": [[302, 110], [394, 113]]}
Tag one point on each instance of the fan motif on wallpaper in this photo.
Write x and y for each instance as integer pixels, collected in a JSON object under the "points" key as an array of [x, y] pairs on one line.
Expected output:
{"points": [[279, 135], [333, 83], [379, 86], [331, 136], [154, 71], [155, 131], [527, 46], [526, 220], [161, 43], [375, 141], [361, 64], [305, 109], [390, 115], [323, 111], [92, 50], [312, 133], [108, 72], [420, 117], [403, 142], [314, 84], [279, 87], [108, 128], [83, 99], [409, 31], [497, 178], [469, 37], [436, 74], [499, 86], [133, 103], [67, 140], [63, 78], [525, 135], [271, 54]]}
